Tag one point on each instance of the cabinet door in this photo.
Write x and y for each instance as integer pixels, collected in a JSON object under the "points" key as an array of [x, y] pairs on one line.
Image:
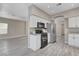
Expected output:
{"points": [[35, 42], [71, 40], [72, 22], [32, 42], [76, 42], [38, 42], [33, 21], [77, 22]]}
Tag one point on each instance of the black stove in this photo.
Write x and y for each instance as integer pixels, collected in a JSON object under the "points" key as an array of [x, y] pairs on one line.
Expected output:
{"points": [[44, 40]]}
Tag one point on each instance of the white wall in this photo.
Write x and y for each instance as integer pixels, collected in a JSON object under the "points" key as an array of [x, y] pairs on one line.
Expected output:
{"points": [[15, 28], [20, 10], [38, 12]]}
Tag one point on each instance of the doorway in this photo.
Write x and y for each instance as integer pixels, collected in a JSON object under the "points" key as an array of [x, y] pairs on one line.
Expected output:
{"points": [[59, 29], [62, 32]]}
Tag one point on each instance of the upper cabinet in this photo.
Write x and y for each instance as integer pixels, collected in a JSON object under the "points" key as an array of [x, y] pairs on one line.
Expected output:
{"points": [[73, 22], [35, 19]]}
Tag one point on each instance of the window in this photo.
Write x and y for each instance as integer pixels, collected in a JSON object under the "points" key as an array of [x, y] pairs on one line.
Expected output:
{"points": [[3, 28]]}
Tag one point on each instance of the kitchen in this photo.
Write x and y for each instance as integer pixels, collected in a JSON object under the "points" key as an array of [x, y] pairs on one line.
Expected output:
{"points": [[56, 32], [40, 29], [40, 32]]}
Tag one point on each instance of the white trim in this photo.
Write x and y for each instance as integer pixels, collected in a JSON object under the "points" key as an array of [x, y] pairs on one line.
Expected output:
{"points": [[18, 36]]}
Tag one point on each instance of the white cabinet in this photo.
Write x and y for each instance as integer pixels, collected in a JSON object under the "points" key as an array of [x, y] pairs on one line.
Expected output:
{"points": [[33, 21], [76, 40], [77, 21], [73, 22], [35, 42], [73, 40]]}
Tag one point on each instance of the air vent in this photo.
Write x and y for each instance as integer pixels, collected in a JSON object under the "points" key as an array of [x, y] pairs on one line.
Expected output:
{"points": [[59, 4], [59, 16]]}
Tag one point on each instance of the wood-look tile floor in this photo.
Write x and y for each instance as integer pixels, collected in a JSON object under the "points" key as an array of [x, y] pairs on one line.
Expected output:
{"points": [[18, 47]]}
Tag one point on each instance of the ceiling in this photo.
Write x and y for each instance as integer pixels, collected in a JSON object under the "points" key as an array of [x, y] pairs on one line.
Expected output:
{"points": [[53, 8], [21, 9], [17, 9]]}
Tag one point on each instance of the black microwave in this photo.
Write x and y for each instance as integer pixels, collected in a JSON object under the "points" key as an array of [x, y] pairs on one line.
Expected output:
{"points": [[40, 25]]}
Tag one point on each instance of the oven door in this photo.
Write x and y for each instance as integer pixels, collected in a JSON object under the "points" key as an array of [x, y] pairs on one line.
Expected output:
{"points": [[44, 40]]}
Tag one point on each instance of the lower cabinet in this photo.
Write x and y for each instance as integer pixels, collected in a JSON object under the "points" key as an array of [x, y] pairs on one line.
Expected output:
{"points": [[35, 42], [73, 40]]}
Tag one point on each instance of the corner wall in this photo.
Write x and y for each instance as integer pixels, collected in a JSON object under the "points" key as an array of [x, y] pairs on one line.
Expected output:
{"points": [[15, 28]]}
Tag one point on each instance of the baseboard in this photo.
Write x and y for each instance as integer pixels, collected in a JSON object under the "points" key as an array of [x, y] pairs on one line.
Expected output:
{"points": [[12, 37]]}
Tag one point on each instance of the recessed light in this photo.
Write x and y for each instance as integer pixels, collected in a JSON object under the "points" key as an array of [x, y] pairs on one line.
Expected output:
{"points": [[72, 5], [48, 6]]}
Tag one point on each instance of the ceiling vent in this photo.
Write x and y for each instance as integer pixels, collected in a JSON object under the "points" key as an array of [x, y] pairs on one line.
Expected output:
{"points": [[59, 16], [59, 4]]}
